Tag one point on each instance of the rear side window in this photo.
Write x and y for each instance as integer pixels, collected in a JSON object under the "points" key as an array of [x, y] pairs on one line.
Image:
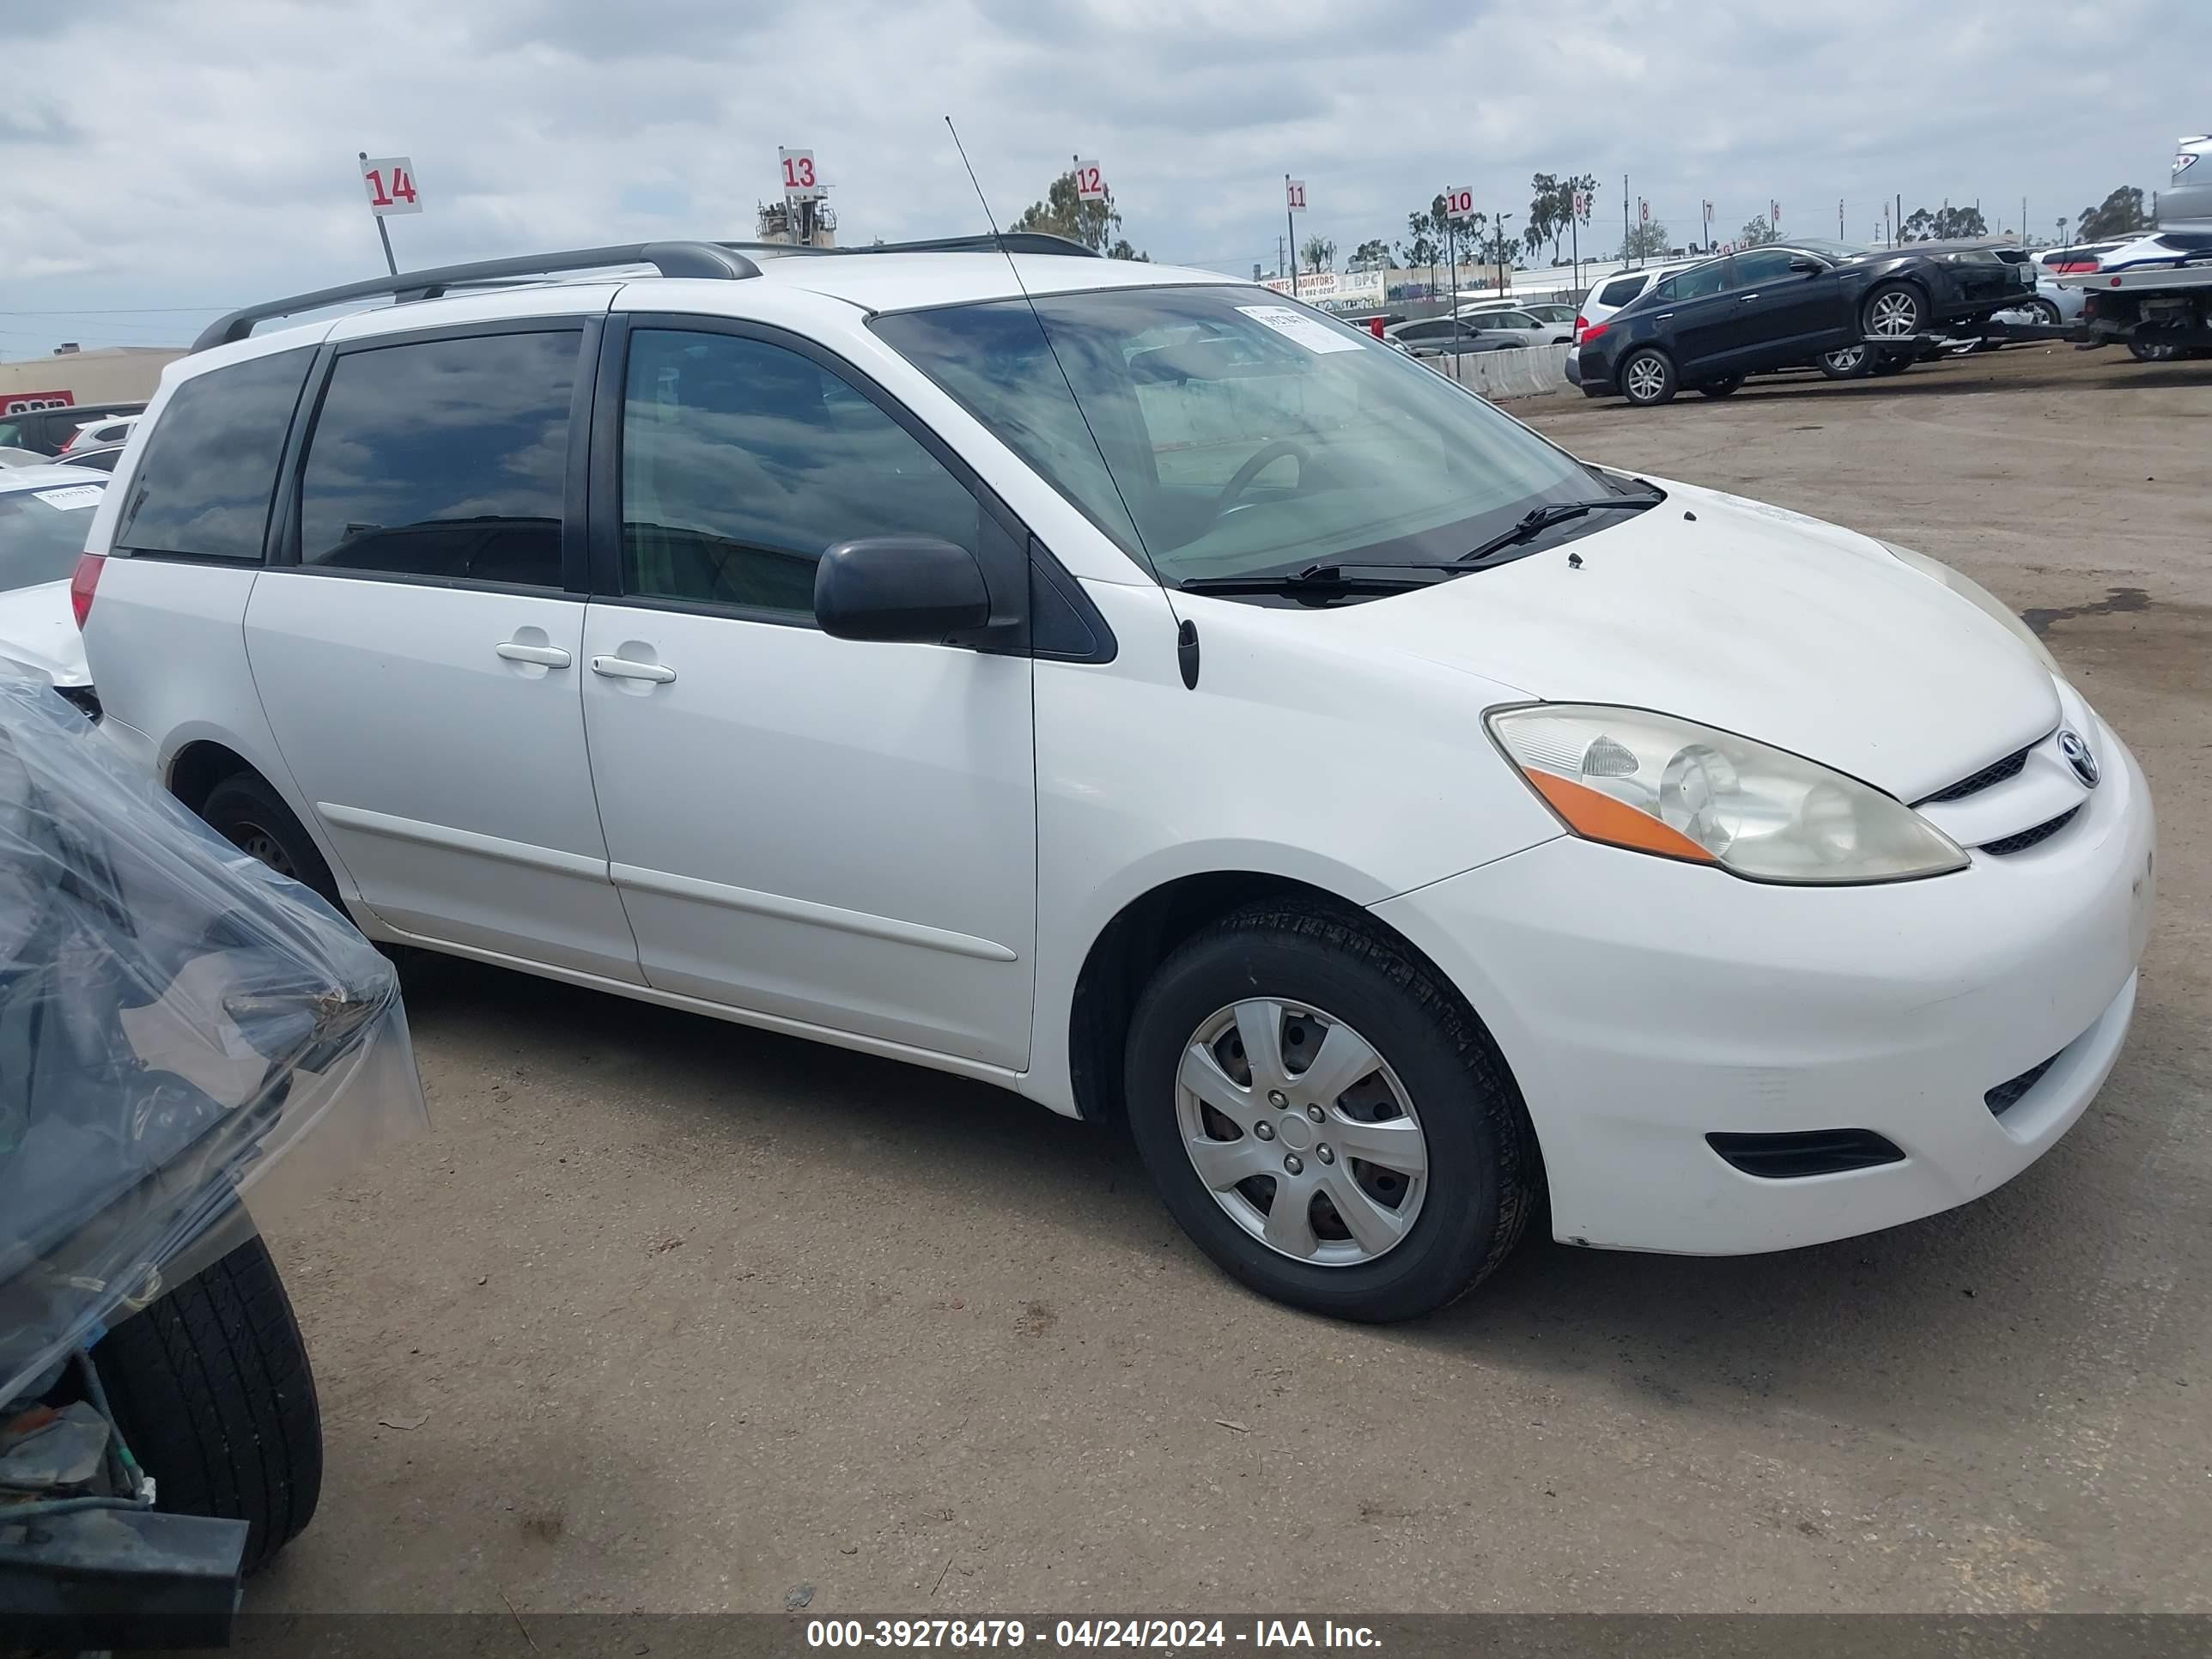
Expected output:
{"points": [[443, 458], [742, 461], [1619, 293], [203, 486]]}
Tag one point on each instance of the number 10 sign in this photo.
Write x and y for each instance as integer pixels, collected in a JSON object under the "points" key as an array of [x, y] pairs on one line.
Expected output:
{"points": [[391, 182]]}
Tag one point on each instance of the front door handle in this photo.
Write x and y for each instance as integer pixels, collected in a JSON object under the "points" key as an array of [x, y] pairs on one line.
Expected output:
{"points": [[621, 668], [1749, 298], [546, 656]]}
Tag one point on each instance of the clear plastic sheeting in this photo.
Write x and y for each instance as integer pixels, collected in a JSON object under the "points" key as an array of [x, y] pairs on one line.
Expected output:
{"points": [[179, 1028]]}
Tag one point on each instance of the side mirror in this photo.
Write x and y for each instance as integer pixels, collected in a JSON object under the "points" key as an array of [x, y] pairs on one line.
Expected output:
{"points": [[1806, 264], [915, 589]]}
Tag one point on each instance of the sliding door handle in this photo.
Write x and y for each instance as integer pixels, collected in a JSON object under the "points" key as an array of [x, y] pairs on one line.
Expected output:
{"points": [[621, 668], [545, 656]]}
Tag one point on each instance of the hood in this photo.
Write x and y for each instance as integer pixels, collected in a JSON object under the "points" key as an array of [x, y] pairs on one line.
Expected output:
{"points": [[1747, 618], [38, 629]]}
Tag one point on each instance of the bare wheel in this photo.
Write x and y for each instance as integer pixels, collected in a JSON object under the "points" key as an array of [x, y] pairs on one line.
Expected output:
{"points": [[1647, 377], [1895, 312], [1325, 1115], [252, 818], [1304, 1137]]}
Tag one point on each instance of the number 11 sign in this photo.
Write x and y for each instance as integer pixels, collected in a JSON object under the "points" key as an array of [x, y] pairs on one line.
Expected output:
{"points": [[391, 182]]}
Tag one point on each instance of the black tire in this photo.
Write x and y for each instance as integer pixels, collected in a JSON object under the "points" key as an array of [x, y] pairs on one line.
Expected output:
{"points": [[1895, 362], [252, 817], [1483, 1163], [1846, 362], [212, 1389], [2046, 312], [1724, 388], [1659, 390], [1889, 301], [2153, 351]]}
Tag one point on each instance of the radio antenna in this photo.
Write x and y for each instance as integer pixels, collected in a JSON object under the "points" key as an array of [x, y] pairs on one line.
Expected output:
{"points": [[1186, 633]]}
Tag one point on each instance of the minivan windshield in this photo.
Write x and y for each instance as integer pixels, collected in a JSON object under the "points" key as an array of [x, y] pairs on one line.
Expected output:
{"points": [[1220, 430]]}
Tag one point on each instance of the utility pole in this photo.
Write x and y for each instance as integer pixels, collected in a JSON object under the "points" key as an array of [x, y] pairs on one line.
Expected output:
{"points": [[1497, 229], [1623, 220], [1839, 220], [1897, 225], [1279, 259]]}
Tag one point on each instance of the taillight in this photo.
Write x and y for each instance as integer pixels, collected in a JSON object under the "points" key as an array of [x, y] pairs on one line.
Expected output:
{"points": [[1591, 333], [1582, 327], [84, 583]]}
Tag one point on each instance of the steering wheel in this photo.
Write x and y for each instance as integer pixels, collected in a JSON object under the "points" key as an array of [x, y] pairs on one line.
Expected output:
{"points": [[1263, 457]]}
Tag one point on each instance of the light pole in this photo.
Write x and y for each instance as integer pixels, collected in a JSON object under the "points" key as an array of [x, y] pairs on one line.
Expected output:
{"points": [[1498, 230]]}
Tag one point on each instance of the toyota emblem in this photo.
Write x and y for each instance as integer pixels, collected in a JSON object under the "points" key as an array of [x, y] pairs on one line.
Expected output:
{"points": [[2079, 757]]}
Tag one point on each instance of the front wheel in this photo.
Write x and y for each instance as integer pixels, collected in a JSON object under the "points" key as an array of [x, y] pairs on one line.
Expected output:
{"points": [[1895, 311], [1647, 377], [1326, 1119], [211, 1388], [2153, 351]]}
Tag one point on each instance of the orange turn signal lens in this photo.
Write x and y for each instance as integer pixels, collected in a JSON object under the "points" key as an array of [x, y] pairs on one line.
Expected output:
{"points": [[1596, 816]]}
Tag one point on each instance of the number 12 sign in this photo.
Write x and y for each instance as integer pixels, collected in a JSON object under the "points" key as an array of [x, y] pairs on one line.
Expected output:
{"points": [[799, 184], [391, 181], [1090, 183]]}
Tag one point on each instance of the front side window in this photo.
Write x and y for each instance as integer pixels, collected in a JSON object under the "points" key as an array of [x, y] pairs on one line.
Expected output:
{"points": [[203, 486], [743, 462], [42, 531], [1767, 265], [444, 459], [1216, 430]]}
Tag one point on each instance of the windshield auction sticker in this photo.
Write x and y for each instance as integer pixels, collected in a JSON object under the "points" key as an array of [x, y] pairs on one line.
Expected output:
{"points": [[70, 495], [1296, 325]]}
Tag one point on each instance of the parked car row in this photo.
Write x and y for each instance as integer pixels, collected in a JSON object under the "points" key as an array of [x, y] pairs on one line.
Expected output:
{"points": [[907, 602], [51, 432]]}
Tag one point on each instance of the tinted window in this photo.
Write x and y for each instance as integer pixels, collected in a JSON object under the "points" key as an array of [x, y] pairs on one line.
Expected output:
{"points": [[1510, 319], [742, 461], [1619, 293], [42, 531], [1767, 265], [1696, 284], [1424, 331], [203, 485], [444, 458]]}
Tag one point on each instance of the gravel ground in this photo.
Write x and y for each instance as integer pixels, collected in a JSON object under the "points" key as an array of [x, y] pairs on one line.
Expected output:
{"points": [[670, 1315]]}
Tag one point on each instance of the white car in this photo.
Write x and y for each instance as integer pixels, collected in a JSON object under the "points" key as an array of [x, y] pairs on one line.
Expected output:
{"points": [[1546, 323], [45, 514], [2054, 301], [1116, 683], [1621, 289], [111, 430]]}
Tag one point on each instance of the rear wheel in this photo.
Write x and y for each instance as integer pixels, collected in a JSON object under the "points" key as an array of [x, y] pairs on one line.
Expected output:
{"points": [[1325, 1118], [2153, 351], [251, 817], [1647, 377], [1849, 363], [1722, 388], [211, 1388]]}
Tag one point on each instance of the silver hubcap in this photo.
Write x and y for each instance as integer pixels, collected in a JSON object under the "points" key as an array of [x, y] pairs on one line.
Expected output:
{"points": [[1646, 376], [1302, 1133], [1848, 358], [1896, 315]]}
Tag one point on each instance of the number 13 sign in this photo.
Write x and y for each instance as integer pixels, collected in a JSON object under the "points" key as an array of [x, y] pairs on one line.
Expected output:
{"points": [[391, 181], [799, 184]]}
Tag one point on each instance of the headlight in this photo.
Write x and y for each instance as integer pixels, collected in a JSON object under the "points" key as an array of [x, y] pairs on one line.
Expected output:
{"points": [[1649, 781], [1974, 593]]}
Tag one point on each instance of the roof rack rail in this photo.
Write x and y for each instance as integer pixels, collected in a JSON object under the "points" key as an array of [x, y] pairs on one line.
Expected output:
{"points": [[711, 259], [1007, 241]]}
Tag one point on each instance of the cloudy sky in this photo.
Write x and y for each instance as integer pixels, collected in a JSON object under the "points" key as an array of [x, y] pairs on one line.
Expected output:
{"points": [[162, 158]]}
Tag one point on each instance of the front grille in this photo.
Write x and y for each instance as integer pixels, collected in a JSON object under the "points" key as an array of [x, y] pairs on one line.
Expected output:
{"points": [[2007, 1095], [1995, 772], [2035, 837], [1804, 1152]]}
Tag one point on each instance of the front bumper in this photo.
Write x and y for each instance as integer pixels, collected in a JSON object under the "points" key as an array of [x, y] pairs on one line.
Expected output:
{"points": [[1644, 1005]]}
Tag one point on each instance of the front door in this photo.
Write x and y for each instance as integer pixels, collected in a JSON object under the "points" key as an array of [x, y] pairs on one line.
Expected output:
{"points": [[1699, 316], [1783, 316], [828, 832], [418, 656]]}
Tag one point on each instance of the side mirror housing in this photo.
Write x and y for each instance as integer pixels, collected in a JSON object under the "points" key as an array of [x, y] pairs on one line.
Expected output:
{"points": [[1806, 264], [912, 589]]}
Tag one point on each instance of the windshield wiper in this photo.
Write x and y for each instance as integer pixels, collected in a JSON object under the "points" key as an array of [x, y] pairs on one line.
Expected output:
{"points": [[1543, 518], [1326, 578]]}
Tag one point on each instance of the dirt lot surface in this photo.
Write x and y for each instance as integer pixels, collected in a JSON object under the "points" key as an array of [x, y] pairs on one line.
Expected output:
{"points": [[670, 1315]]}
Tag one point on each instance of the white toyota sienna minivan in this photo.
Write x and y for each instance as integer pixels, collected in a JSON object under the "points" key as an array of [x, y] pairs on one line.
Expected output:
{"points": [[1119, 685]]}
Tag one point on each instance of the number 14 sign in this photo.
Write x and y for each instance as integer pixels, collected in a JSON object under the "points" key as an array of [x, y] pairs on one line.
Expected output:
{"points": [[391, 181]]}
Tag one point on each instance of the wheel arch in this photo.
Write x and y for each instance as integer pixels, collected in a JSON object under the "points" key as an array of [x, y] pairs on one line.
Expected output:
{"points": [[1142, 934], [196, 768]]}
